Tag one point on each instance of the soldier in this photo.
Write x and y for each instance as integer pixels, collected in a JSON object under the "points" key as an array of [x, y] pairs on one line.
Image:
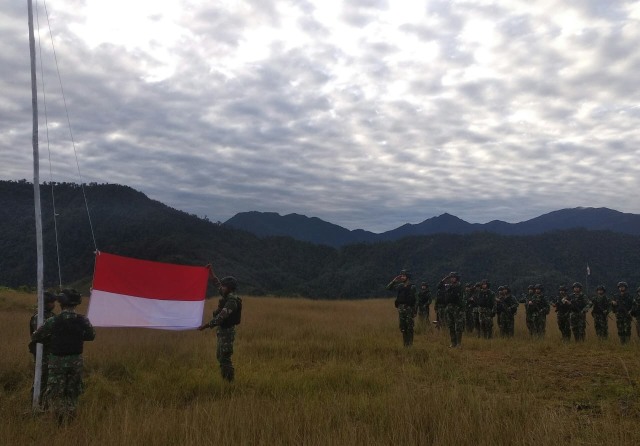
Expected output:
{"points": [[439, 308], [405, 303], [476, 309], [66, 334], [225, 317], [622, 305], [579, 305], [537, 309], [528, 311], [486, 308], [424, 301], [49, 300], [600, 312], [469, 298], [562, 313], [454, 310], [636, 310], [506, 309]]}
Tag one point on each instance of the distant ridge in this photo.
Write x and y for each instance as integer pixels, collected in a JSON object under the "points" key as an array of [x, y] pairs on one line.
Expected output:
{"points": [[315, 230], [299, 227], [127, 222]]}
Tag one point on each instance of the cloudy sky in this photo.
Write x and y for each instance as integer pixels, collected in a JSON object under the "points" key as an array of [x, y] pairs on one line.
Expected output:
{"points": [[364, 113]]}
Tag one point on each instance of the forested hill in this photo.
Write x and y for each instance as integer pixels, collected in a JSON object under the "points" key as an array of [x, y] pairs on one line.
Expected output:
{"points": [[126, 222], [312, 229]]}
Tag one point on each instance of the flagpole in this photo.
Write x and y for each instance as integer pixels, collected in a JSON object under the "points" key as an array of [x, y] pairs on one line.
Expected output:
{"points": [[37, 385], [586, 282]]}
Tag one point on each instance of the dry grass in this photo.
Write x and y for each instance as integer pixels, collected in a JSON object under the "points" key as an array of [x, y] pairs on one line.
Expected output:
{"points": [[329, 373]]}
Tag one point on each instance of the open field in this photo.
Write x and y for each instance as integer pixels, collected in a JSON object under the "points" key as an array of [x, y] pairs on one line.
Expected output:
{"points": [[329, 373]]}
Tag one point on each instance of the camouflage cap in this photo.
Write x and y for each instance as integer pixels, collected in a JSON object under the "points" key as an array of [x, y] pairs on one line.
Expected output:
{"points": [[49, 297], [69, 298], [229, 282]]}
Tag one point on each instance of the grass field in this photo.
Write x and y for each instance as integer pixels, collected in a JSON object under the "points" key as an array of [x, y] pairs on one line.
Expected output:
{"points": [[329, 373]]}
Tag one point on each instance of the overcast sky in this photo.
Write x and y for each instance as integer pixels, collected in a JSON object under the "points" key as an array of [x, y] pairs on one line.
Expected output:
{"points": [[365, 113]]}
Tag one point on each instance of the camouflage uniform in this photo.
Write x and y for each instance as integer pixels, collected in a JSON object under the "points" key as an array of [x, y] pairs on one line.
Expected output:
{"points": [[580, 304], [537, 309], [563, 309], [529, 310], [454, 310], [405, 303], [600, 312], [470, 304], [439, 307], [486, 309], [636, 310], [622, 305], [66, 334], [506, 309], [44, 371], [424, 301], [225, 318]]}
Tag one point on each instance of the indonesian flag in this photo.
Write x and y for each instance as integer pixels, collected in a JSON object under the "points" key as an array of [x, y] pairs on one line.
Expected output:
{"points": [[139, 293]]}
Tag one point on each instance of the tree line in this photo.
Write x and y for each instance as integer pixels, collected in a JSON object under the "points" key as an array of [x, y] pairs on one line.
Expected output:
{"points": [[126, 222]]}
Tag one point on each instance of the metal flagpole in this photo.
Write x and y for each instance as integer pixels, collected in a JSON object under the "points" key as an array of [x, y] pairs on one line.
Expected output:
{"points": [[38, 213], [586, 282]]}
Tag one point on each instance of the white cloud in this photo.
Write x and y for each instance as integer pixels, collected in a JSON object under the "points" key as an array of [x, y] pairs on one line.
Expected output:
{"points": [[368, 114]]}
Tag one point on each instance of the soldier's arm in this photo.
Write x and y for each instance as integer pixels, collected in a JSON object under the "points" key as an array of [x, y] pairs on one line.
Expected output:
{"points": [[392, 284], [89, 333], [230, 306], [43, 333]]}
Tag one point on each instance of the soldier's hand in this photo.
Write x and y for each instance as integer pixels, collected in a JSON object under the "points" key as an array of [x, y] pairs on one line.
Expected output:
{"points": [[203, 326]]}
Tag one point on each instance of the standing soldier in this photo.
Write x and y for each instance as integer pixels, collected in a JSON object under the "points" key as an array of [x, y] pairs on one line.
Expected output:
{"points": [[424, 301], [563, 309], [579, 305], [506, 308], [529, 310], [439, 308], [600, 312], [622, 305], [470, 304], [486, 309], [225, 317], [636, 310], [476, 309], [537, 309], [49, 305], [66, 334], [405, 303], [454, 310]]}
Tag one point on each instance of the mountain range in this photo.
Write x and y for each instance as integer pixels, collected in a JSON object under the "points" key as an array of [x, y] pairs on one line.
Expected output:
{"points": [[315, 230], [127, 222]]}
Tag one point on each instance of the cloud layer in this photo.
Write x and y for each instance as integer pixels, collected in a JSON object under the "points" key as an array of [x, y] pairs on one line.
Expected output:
{"points": [[368, 114]]}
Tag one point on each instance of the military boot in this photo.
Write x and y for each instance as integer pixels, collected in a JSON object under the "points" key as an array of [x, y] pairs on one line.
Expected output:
{"points": [[228, 373]]}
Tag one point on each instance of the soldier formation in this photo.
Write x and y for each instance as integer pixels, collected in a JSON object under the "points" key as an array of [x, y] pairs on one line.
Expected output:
{"points": [[474, 307]]}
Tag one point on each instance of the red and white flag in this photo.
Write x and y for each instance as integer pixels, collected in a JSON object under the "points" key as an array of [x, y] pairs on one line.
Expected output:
{"points": [[139, 293]]}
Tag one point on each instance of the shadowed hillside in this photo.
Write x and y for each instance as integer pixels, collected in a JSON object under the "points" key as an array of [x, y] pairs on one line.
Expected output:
{"points": [[127, 222]]}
